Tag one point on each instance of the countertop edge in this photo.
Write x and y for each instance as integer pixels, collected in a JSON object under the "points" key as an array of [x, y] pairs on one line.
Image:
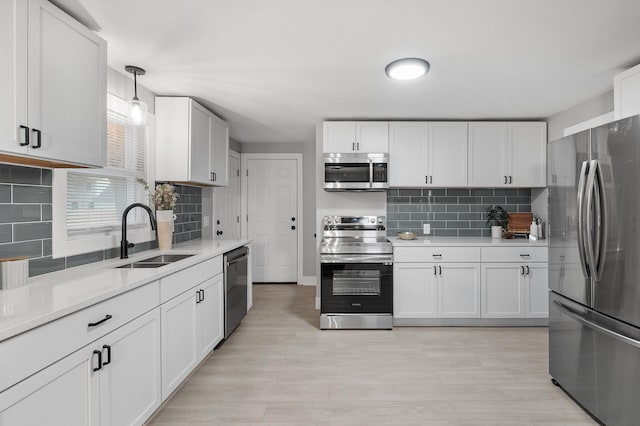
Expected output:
{"points": [[45, 281]]}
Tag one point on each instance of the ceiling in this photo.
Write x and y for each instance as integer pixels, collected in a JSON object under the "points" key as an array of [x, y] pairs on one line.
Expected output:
{"points": [[273, 69]]}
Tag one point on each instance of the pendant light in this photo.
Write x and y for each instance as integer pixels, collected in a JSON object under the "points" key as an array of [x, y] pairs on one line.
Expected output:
{"points": [[137, 108]]}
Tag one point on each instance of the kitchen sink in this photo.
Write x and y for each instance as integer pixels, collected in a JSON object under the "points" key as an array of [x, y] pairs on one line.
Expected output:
{"points": [[165, 258], [136, 265]]}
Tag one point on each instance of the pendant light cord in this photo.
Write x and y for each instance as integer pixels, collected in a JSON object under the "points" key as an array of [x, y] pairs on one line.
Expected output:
{"points": [[135, 85]]}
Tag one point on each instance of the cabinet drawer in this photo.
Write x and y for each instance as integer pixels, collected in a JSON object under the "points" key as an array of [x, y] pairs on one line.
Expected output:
{"points": [[436, 254], [30, 352], [515, 254], [181, 281]]}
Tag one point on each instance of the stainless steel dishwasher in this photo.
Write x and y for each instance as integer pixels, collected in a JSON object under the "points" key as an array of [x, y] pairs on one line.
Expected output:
{"points": [[235, 288]]}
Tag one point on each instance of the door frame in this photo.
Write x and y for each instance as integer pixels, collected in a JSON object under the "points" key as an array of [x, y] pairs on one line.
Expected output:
{"points": [[244, 193], [236, 155]]}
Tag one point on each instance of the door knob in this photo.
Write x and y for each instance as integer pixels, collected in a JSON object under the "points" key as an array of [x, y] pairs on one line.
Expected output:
{"points": [[293, 227], [293, 219]]}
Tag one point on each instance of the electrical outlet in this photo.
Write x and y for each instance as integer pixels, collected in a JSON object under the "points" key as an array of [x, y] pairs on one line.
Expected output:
{"points": [[426, 228]]}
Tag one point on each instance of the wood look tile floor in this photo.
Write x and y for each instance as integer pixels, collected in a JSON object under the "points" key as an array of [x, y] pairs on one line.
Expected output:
{"points": [[278, 368]]}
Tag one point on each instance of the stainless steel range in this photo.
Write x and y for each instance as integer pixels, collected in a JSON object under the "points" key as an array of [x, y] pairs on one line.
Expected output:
{"points": [[357, 273]]}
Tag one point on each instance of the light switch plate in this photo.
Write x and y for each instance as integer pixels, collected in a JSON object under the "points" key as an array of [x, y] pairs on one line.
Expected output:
{"points": [[205, 220], [426, 228]]}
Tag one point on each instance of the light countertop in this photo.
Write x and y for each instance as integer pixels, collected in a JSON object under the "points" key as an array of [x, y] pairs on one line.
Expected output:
{"points": [[465, 241], [54, 295]]}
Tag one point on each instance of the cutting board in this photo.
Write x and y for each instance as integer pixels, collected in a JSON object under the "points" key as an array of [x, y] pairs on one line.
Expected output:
{"points": [[519, 223]]}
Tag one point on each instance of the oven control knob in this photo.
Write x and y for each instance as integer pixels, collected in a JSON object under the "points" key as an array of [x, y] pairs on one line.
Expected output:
{"points": [[327, 220], [372, 220], [380, 220]]}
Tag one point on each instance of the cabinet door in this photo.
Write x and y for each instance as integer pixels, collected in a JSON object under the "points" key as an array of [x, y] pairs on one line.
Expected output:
{"points": [[13, 76], [408, 151], [339, 136], [372, 136], [220, 151], [528, 143], [537, 301], [67, 87], [130, 388], [488, 154], [200, 144], [414, 290], [210, 315], [65, 393], [179, 356], [459, 290], [447, 154], [503, 291]]}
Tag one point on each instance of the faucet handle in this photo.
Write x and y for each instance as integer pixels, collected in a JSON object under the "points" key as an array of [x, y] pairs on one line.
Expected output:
{"points": [[130, 245]]}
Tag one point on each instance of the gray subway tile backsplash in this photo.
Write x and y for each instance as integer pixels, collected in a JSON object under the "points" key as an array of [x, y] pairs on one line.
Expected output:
{"points": [[26, 214], [450, 212]]}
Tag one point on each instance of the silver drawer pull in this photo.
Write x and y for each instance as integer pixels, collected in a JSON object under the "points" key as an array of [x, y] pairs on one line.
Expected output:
{"points": [[437, 255], [525, 255]]}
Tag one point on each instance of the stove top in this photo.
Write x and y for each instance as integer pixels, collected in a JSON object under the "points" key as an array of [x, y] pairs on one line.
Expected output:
{"points": [[355, 235]]}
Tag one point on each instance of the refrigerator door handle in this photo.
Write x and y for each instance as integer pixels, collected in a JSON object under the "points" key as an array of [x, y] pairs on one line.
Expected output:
{"points": [[589, 222], [593, 325], [601, 223], [580, 202]]}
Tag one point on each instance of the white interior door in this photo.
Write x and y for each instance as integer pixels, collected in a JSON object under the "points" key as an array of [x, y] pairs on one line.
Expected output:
{"points": [[272, 190], [227, 203]]}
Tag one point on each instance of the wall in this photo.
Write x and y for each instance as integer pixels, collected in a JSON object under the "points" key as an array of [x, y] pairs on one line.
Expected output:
{"points": [[450, 212], [188, 211], [577, 114], [308, 190]]}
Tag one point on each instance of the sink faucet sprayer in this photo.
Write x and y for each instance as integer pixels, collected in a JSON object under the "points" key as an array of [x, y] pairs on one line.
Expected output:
{"points": [[124, 244]]}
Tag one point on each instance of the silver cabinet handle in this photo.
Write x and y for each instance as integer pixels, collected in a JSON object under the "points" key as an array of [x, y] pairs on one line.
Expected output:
{"points": [[440, 269], [426, 179], [431, 179], [527, 255], [439, 256], [435, 270], [527, 269], [358, 146], [509, 179], [353, 146], [521, 270], [505, 179]]}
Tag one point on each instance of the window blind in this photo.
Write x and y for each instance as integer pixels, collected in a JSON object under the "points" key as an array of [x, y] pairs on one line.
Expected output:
{"points": [[96, 199]]}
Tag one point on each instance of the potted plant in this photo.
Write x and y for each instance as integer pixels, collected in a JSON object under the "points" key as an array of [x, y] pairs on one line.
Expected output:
{"points": [[496, 218], [164, 197]]}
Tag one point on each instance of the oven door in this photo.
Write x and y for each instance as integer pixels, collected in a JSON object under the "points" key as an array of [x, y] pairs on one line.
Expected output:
{"points": [[356, 288]]}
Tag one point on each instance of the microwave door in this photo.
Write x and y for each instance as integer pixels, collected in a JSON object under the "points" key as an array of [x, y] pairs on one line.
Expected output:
{"points": [[347, 176]]}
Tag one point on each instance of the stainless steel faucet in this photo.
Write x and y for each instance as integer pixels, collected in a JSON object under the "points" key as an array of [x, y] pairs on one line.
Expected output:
{"points": [[124, 244]]}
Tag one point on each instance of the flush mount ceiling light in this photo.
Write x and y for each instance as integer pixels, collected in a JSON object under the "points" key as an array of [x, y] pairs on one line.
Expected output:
{"points": [[137, 108], [407, 68]]}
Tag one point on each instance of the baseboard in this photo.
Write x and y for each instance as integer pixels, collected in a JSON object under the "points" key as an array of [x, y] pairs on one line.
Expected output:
{"points": [[471, 322], [308, 280]]}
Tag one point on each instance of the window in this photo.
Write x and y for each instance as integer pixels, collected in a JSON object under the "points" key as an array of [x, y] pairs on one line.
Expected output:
{"points": [[88, 204]]}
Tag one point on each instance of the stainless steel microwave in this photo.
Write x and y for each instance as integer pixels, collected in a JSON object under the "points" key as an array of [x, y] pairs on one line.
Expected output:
{"points": [[356, 172]]}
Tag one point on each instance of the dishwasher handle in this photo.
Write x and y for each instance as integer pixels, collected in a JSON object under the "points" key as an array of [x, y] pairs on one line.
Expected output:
{"points": [[236, 260]]}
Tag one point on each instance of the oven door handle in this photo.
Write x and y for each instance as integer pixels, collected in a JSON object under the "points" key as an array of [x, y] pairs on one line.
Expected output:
{"points": [[357, 258]]}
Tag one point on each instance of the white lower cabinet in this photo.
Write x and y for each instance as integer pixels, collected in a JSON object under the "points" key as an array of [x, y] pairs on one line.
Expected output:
{"points": [[515, 290], [113, 381], [414, 290], [130, 377], [65, 393], [459, 290], [178, 340], [192, 325], [210, 315], [436, 290]]}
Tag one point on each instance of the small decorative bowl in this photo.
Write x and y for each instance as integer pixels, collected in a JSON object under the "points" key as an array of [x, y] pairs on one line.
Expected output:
{"points": [[406, 235]]}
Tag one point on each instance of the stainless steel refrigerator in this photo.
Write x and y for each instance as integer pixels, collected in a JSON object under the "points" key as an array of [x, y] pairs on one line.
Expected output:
{"points": [[594, 269]]}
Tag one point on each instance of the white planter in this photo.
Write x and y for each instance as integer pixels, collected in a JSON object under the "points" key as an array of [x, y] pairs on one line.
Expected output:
{"points": [[164, 220], [496, 232]]}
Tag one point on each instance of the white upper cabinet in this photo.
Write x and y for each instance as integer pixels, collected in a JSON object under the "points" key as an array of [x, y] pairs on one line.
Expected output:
{"points": [[507, 154], [626, 93], [355, 136], [53, 85], [427, 154], [192, 144]]}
